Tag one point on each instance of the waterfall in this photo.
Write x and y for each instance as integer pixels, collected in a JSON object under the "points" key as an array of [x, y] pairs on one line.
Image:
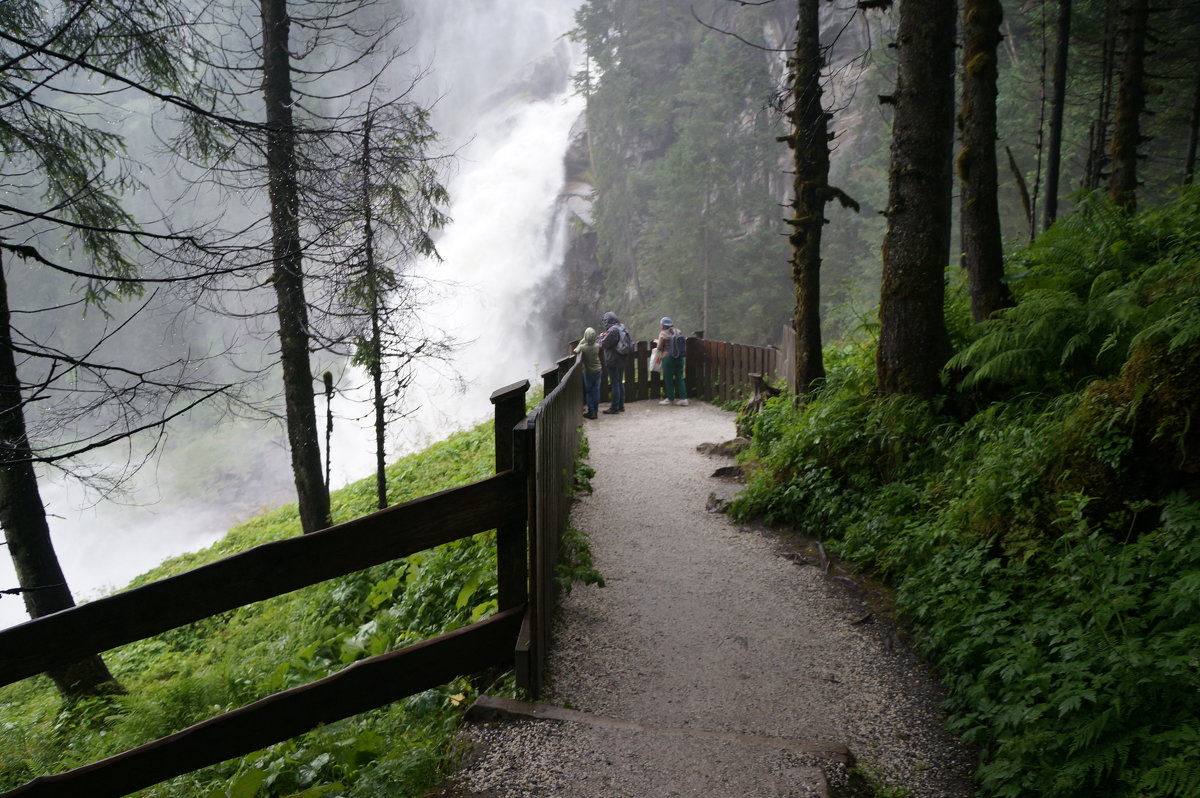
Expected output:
{"points": [[501, 96], [496, 75]]}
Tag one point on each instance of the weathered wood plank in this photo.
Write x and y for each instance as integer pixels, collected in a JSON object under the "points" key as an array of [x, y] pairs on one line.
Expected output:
{"points": [[362, 686], [643, 370], [726, 370], [492, 709], [263, 572], [709, 373], [511, 577], [555, 427], [739, 370]]}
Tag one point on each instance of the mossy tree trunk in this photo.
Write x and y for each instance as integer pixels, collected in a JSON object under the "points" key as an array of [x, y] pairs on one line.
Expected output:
{"points": [[913, 343], [982, 242], [809, 141], [1131, 99], [288, 276]]}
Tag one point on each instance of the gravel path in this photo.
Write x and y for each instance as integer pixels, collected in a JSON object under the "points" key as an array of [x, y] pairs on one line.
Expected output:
{"points": [[711, 662]]}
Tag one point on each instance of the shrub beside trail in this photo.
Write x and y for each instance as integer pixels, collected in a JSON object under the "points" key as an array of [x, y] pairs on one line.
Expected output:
{"points": [[1041, 521]]}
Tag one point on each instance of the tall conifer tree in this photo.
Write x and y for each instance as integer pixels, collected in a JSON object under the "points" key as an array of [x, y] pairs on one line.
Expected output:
{"points": [[288, 273], [913, 342], [809, 141], [64, 176], [1057, 105], [1131, 99], [982, 243]]}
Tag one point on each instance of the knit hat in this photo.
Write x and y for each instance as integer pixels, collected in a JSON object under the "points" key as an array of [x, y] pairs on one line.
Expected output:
{"points": [[666, 321]]}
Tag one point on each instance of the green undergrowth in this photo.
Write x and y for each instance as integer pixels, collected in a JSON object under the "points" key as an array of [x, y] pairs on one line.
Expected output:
{"points": [[221, 663], [575, 564], [1041, 522]]}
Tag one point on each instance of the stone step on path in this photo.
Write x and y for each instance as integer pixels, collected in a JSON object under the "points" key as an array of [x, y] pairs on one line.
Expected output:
{"points": [[623, 758], [708, 633]]}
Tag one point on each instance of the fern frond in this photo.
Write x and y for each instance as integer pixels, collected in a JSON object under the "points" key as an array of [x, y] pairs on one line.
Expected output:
{"points": [[1075, 344], [1177, 775]]}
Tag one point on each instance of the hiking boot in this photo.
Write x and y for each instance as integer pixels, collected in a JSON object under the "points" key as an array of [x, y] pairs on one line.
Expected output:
{"points": [[682, 402]]}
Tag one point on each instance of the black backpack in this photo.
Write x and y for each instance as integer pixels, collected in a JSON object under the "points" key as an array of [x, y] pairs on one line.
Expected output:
{"points": [[677, 345], [625, 343]]}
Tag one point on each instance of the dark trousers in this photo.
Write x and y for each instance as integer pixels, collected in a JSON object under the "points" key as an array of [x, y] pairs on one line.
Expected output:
{"points": [[591, 391], [672, 375], [616, 387]]}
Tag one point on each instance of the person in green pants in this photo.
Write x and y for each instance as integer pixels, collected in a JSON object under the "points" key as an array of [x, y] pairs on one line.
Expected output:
{"points": [[672, 343]]}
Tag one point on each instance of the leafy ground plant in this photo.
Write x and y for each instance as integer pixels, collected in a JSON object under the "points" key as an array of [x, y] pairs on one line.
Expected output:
{"points": [[1042, 525]]}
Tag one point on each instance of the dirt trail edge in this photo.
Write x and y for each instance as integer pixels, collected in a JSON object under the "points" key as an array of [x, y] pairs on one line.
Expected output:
{"points": [[711, 664]]}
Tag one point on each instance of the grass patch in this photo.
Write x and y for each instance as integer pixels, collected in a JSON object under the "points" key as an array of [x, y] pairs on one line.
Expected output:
{"points": [[212, 666]]}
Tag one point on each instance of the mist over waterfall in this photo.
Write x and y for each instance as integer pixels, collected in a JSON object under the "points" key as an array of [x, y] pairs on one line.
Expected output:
{"points": [[500, 92], [496, 74], [498, 84]]}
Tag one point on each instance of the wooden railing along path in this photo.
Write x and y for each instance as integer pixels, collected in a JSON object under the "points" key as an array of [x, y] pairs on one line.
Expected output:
{"points": [[527, 503], [713, 370]]}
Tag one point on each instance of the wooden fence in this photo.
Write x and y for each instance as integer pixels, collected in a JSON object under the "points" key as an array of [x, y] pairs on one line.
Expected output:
{"points": [[555, 426], [527, 502], [715, 371], [508, 502]]}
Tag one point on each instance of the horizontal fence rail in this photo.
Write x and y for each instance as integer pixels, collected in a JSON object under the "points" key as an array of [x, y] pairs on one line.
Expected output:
{"points": [[360, 687], [262, 572]]}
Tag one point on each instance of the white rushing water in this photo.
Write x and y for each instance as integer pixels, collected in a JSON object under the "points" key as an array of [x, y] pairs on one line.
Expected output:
{"points": [[500, 92], [497, 77]]}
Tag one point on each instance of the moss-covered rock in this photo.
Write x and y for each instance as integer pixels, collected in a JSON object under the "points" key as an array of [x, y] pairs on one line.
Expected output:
{"points": [[1134, 437]]}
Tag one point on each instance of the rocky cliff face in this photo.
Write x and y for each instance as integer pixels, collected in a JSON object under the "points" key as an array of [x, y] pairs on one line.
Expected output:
{"points": [[573, 301], [639, 147]]}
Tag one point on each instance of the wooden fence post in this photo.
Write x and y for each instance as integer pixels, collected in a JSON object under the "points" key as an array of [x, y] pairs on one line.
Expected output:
{"points": [[641, 359], [525, 653], [512, 578], [694, 366], [549, 380]]}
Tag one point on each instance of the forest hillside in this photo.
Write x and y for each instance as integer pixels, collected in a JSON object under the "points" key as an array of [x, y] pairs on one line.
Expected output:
{"points": [[1040, 522], [686, 102], [979, 220], [997, 329]]}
